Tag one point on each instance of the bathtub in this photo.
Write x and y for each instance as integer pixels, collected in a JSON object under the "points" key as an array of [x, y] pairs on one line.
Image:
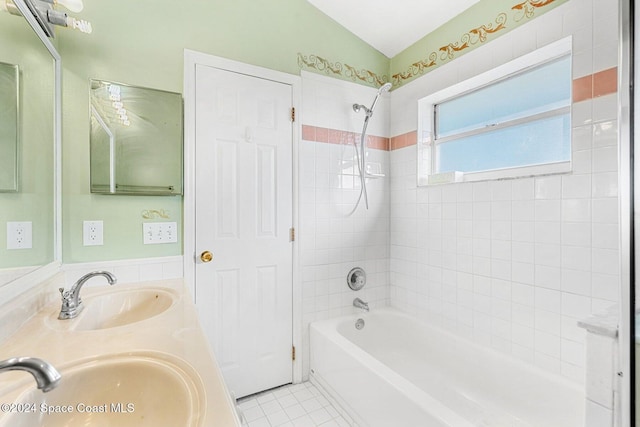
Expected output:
{"points": [[399, 372]]}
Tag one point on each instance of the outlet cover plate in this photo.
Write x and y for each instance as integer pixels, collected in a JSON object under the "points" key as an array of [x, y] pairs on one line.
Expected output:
{"points": [[92, 233], [19, 235]]}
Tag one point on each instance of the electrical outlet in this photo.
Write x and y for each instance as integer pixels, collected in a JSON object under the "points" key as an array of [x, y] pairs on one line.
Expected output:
{"points": [[92, 233], [154, 233], [19, 235]]}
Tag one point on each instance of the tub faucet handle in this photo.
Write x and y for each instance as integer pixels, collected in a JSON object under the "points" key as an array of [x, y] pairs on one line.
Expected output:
{"points": [[361, 304]]}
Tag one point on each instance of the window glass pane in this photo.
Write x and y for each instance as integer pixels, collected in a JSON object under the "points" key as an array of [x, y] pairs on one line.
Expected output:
{"points": [[542, 141], [534, 91]]}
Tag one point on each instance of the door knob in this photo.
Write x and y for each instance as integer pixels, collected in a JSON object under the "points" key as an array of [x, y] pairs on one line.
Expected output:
{"points": [[206, 256]]}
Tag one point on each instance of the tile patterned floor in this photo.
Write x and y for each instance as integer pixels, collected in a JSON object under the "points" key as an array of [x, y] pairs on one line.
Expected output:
{"points": [[295, 405]]}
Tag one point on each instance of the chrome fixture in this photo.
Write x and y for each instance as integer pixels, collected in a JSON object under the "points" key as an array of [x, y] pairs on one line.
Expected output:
{"points": [[46, 16], [360, 157], [356, 279], [369, 111], [359, 324], [46, 376], [360, 304], [71, 302]]}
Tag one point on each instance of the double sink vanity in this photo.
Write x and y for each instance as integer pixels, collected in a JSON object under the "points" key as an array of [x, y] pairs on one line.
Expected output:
{"points": [[135, 355]]}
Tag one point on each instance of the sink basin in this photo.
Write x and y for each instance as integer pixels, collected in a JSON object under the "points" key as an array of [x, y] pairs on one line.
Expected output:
{"points": [[126, 390], [117, 308]]}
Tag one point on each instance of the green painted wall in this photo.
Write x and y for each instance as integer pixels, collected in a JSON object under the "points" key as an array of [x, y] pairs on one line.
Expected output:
{"points": [[141, 43], [34, 200]]}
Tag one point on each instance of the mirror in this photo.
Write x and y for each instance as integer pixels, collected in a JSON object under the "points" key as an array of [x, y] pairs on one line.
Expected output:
{"points": [[9, 95], [28, 135], [136, 140]]}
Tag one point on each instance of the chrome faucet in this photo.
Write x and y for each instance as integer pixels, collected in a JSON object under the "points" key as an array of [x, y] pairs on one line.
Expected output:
{"points": [[71, 302], [46, 376], [360, 304]]}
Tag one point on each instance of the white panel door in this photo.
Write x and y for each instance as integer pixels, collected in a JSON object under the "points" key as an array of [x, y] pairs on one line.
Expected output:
{"points": [[243, 216]]}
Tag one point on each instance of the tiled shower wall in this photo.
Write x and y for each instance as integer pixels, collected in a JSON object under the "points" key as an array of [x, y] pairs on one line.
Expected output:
{"points": [[332, 241], [513, 264]]}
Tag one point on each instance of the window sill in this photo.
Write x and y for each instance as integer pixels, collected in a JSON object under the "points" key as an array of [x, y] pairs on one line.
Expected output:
{"points": [[508, 173]]}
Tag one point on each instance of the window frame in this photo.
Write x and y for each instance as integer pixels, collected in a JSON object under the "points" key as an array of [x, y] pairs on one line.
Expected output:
{"points": [[427, 143]]}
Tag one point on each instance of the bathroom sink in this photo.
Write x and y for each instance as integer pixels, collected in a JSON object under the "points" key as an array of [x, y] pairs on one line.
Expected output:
{"points": [[125, 390], [117, 308]]}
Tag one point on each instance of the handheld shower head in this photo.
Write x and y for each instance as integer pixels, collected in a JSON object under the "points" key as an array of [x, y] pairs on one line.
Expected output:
{"points": [[369, 111], [384, 88]]}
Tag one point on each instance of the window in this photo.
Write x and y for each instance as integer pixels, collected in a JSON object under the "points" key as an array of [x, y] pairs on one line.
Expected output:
{"points": [[514, 120]]}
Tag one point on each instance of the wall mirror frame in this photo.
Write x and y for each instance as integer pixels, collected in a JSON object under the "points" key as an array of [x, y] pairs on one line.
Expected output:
{"points": [[20, 284], [9, 126], [136, 137]]}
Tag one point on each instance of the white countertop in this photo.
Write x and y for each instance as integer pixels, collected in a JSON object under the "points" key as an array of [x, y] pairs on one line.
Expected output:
{"points": [[176, 332]]}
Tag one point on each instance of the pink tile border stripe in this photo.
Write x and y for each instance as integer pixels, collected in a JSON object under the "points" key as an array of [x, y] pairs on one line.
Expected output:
{"points": [[404, 140], [335, 136], [594, 85], [584, 88]]}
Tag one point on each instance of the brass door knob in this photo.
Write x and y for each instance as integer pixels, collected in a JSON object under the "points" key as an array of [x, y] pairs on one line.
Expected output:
{"points": [[206, 256]]}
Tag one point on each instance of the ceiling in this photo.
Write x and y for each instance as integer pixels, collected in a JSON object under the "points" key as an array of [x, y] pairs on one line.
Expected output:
{"points": [[392, 25]]}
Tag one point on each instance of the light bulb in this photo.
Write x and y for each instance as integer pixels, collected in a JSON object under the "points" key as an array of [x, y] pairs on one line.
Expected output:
{"points": [[79, 24], [73, 5]]}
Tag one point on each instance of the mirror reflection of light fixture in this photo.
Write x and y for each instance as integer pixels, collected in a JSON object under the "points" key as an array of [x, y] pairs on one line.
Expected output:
{"points": [[46, 15], [72, 5]]}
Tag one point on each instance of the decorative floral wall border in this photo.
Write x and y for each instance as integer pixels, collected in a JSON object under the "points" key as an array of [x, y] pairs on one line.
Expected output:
{"points": [[338, 69], [528, 8], [472, 37], [155, 213], [475, 35]]}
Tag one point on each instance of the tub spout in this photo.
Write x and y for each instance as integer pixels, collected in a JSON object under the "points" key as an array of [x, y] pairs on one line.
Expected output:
{"points": [[360, 304]]}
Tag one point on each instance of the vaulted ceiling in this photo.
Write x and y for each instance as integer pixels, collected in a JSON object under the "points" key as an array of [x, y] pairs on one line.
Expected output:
{"points": [[392, 25]]}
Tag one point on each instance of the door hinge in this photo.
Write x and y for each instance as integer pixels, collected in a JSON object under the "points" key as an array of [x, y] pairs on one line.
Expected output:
{"points": [[293, 114], [292, 234], [293, 353]]}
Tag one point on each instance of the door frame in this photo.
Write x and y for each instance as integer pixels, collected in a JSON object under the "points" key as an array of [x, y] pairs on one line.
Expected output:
{"points": [[191, 59]]}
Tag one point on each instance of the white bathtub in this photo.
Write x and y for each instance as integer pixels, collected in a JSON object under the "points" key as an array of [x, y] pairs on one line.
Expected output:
{"points": [[399, 372]]}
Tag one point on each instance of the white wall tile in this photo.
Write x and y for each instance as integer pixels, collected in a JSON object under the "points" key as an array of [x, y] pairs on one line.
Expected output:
{"points": [[576, 282], [535, 253], [548, 187], [576, 186], [576, 234]]}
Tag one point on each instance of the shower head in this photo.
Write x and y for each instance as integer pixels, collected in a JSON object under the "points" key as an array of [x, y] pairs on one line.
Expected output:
{"points": [[384, 88], [369, 111]]}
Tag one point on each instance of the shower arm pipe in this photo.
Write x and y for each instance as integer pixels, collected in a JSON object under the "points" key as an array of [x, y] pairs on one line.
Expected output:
{"points": [[112, 149]]}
